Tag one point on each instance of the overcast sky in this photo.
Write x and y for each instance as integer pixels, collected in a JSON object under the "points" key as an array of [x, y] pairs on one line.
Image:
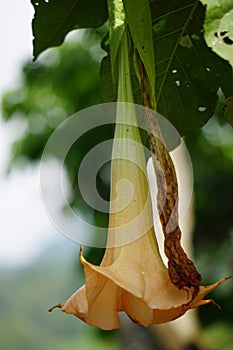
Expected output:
{"points": [[22, 234]]}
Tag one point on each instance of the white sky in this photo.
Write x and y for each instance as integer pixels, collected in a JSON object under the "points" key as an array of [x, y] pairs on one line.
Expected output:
{"points": [[24, 226]]}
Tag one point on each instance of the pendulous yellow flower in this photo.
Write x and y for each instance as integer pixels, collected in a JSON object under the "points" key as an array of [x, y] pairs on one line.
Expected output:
{"points": [[132, 276]]}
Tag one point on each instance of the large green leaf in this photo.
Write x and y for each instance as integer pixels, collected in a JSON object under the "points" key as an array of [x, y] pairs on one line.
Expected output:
{"points": [[189, 73], [55, 18]]}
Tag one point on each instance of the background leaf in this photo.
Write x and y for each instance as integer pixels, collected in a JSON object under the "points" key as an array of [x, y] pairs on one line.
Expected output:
{"points": [[55, 18], [219, 27]]}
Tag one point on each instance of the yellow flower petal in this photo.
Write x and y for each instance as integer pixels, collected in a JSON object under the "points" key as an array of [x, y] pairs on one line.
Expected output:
{"points": [[107, 292], [97, 307]]}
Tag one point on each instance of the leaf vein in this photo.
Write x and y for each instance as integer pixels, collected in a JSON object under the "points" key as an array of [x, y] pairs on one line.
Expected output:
{"points": [[175, 49], [174, 11]]}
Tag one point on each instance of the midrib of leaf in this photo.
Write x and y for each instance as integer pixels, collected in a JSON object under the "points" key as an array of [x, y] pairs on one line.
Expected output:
{"points": [[176, 45]]}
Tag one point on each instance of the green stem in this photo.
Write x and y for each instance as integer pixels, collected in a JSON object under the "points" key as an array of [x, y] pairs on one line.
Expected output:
{"points": [[126, 121]]}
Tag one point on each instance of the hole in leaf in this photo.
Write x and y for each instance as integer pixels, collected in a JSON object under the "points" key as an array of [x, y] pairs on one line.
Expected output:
{"points": [[202, 108]]}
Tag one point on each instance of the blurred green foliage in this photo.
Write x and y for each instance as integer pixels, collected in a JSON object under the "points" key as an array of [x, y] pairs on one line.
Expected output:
{"points": [[62, 82], [212, 158]]}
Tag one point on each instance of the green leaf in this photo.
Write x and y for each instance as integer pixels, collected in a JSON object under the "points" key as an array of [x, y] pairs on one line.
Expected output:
{"points": [[219, 27], [54, 19], [188, 72], [140, 26]]}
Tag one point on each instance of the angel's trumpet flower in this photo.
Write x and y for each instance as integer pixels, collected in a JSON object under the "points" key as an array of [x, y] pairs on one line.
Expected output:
{"points": [[132, 276]]}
